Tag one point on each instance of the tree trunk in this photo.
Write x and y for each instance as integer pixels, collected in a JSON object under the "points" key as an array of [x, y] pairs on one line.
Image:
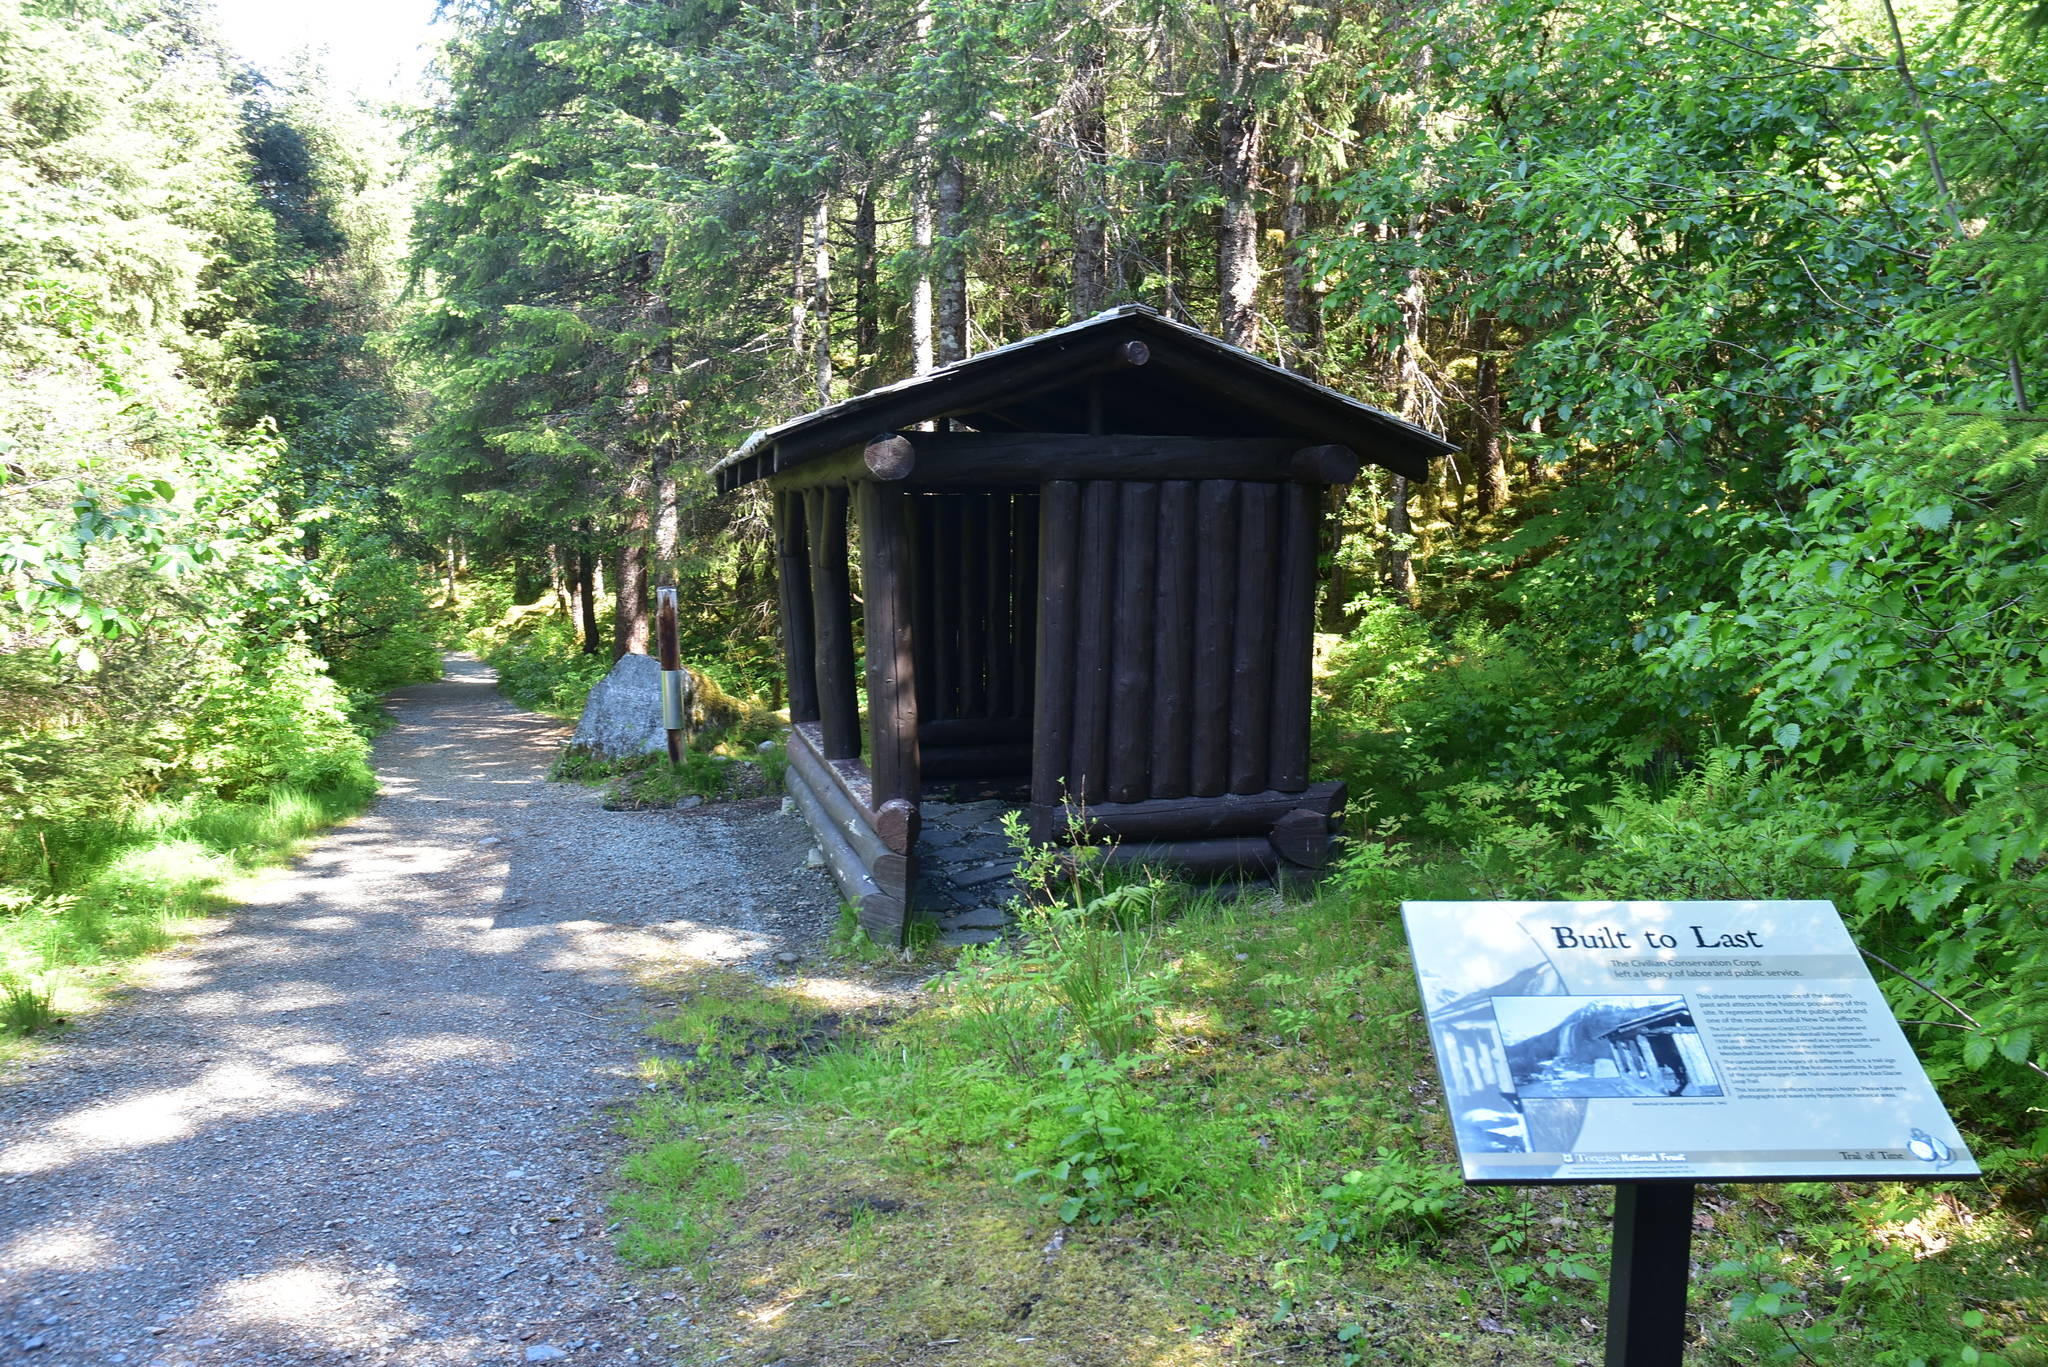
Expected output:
{"points": [[821, 293], [867, 320], [1488, 459], [629, 609], [586, 596], [950, 308], [558, 583], [1237, 259], [1299, 308], [1400, 535], [1091, 153], [921, 220], [799, 295]]}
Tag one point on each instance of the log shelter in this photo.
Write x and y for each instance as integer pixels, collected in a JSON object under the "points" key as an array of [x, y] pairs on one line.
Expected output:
{"points": [[1088, 558]]}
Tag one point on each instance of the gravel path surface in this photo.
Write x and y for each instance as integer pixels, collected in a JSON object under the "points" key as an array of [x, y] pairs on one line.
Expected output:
{"points": [[365, 1120]]}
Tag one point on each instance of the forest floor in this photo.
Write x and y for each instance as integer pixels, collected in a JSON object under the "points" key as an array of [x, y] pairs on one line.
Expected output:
{"points": [[368, 1117]]}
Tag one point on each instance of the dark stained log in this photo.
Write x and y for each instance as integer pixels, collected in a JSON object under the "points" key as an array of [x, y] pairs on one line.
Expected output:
{"points": [[999, 573], [1088, 771], [1059, 524], [922, 630], [1193, 818], [793, 586], [896, 822], [832, 601], [972, 570], [1024, 594], [945, 637], [974, 731], [883, 913], [1215, 609], [1230, 857], [1173, 648], [978, 761], [1294, 643], [1302, 837], [1319, 465], [1251, 660], [843, 811], [1130, 698], [890, 456], [886, 581], [1024, 460]]}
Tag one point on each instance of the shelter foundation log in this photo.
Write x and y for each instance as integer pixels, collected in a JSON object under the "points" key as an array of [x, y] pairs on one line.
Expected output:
{"points": [[1239, 855], [893, 823], [883, 912], [1302, 837], [1172, 819]]}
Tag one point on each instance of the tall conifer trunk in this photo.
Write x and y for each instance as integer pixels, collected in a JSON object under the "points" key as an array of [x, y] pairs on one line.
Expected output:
{"points": [[921, 348], [1237, 257], [821, 295], [950, 306], [1489, 460], [1091, 153], [867, 321], [586, 592]]}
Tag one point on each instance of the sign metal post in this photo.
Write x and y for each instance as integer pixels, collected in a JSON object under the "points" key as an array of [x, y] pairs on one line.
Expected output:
{"points": [[1646, 1286]]}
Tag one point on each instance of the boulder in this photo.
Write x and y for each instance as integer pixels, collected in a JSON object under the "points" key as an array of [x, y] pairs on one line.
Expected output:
{"points": [[622, 720]]}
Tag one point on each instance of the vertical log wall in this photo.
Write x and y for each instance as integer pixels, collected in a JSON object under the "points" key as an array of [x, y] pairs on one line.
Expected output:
{"points": [[1175, 633], [974, 610]]}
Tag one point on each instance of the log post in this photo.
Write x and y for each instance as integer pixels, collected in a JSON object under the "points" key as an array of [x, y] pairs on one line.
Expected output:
{"points": [[1095, 577], [1251, 664], [799, 623], [999, 571], [1059, 523], [1130, 701], [1024, 593], [832, 595], [668, 647], [1215, 609], [1294, 638], [1174, 625], [945, 638], [972, 571], [885, 576]]}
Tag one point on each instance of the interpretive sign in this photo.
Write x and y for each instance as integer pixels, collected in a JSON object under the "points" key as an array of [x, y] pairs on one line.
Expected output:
{"points": [[1617, 1042]]}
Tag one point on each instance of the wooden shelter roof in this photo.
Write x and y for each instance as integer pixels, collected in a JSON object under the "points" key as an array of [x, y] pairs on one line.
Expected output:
{"points": [[1170, 380]]}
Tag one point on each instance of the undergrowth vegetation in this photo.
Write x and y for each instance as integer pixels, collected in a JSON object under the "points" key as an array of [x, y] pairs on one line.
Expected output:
{"points": [[1212, 1120]]}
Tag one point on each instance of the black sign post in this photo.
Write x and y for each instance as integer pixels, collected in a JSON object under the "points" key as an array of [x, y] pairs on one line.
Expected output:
{"points": [[1647, 1282]]}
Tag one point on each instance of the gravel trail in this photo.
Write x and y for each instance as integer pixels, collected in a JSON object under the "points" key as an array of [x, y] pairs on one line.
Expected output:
{"points": [[366, 1119]]}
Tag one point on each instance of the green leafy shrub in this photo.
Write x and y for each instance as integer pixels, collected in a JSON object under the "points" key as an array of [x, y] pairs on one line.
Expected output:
{"points": [[1397, 1198], [1100, 1149]]}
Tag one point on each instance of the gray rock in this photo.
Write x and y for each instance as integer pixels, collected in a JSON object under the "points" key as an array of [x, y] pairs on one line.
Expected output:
{"points": [[693, 800], [815, 859], [789, 806], [544, 1352], [622, 720], [973, 878], [788, 956]]}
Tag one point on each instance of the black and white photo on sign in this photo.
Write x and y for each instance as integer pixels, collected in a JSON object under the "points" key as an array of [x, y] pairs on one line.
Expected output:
{"points": [[1604, 1046]]}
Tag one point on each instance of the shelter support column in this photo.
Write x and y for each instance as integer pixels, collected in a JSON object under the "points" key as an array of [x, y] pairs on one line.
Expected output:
{"points": [[799, 626], [886, 560], [832, 605]]}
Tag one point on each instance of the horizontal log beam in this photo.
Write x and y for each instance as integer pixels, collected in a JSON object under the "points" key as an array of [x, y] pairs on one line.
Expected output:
{"points": [[1302, 837], [881, 896], [1187, 818], [1237, 856], [977, 761], [895, 823], [974, 731]]}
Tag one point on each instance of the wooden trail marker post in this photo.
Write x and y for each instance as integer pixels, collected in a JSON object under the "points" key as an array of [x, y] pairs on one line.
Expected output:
{"points": [[1652, 1045], [675, 680]]}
